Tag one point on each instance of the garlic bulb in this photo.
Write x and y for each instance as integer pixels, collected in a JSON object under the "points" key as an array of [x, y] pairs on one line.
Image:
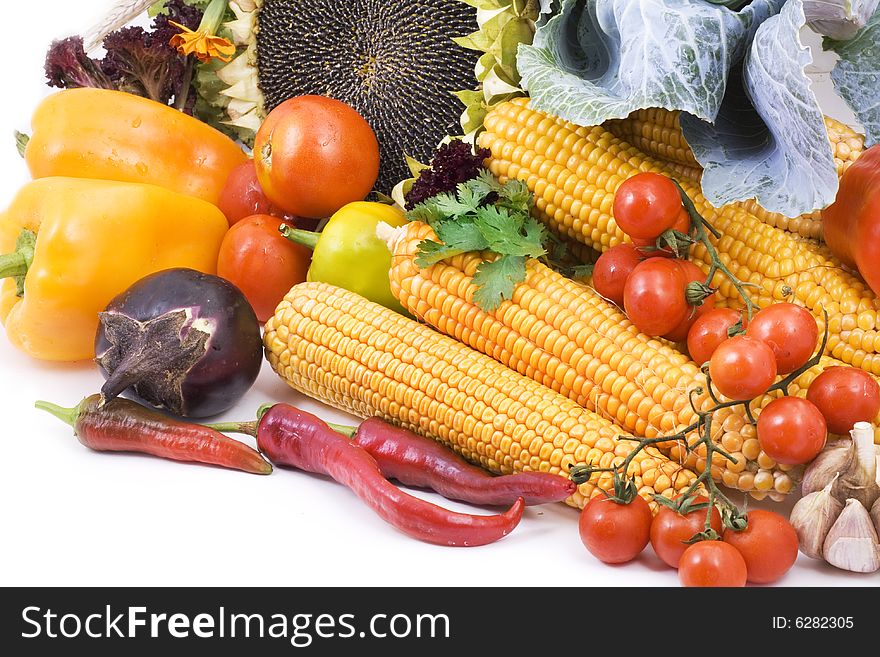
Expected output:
{"points": [[812, 518], [852, 543], [826, 466], [858, 476], [832, 520]]}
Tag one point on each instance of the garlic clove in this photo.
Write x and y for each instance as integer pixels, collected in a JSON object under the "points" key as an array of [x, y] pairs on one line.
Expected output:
{"points": [[822, 469], [875, 516], [858, 477], [812, 518], [852, 543]]}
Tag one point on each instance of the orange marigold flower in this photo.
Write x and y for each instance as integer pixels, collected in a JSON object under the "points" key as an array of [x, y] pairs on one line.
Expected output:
{"points": [[201, 44]]}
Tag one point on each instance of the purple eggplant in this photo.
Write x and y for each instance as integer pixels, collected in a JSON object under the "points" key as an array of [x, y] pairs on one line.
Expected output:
{"points": [[180, 340]]}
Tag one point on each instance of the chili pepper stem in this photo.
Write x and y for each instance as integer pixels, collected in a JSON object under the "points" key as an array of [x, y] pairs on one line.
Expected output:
{"points": [[66, 415], [345, 430], [12, 264], [247, 428], [307, 238]]}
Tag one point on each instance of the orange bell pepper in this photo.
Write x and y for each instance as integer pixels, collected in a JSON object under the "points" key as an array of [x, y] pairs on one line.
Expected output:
{"points": [[113, 135], [851, 225], [72, 244]]}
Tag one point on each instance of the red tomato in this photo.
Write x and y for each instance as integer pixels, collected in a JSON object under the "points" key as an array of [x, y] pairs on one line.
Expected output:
{"points": [[653, 296], [614, 532], [712, 563], [790, 331], [844, 396], [742, 367], [682, 225], [708, 331], [670, 530], [315, 154], [791, 430], [612, 269], [242, 195], [646, 205], [261, 263], [769, 545], [691, 273]]}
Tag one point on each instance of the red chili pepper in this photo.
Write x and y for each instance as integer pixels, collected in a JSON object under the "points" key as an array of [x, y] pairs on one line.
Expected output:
{"points": [[122, 425], [418, 461], [290, 436]]}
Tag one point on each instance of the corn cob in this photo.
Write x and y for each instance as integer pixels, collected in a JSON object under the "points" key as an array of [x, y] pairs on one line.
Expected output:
{"points": [[570, 339], [360, 357], [575, 171], [657, 133]]}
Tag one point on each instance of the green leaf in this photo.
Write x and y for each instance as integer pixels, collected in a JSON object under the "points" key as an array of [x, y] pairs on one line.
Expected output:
{"points": [[515, 194], [450, 205], [495, 281], [426, 212], [430, 253], [462, 235], [502, 230]]}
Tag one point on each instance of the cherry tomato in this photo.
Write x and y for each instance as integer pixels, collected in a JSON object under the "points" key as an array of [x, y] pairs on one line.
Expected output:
{"points": [[682, 225], [769, 545], [742, 367], [646, 205], [314, 155], [261, 263], [612, 269], [844, 396], [691, 273], [790, 331], [708, 331], [712, 563], [670, 529], [653, 296], [791, 430], [614, 532]]}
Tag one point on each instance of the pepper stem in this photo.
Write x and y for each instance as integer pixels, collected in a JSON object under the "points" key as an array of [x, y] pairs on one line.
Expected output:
{"points": [[67, 415], [307, 238], [21, 142], [345, 430], [247, 428], [17, 263]]}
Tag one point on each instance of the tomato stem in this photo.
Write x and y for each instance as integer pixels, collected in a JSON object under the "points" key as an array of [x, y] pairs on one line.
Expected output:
{"points": [[700, 227]]}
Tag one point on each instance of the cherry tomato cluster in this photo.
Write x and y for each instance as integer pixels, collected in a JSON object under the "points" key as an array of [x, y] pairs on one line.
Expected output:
{"points": [[663, 296], [616, 532]]}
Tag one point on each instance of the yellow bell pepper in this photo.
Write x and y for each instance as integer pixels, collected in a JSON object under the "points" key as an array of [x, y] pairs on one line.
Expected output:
{"points": [[113, 135], [91, 240]]}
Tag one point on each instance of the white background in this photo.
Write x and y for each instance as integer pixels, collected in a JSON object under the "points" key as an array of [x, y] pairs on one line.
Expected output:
{"points": [[70, 516]]}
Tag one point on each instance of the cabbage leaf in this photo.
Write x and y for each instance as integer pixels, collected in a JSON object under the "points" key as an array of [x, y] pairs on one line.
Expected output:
{"points": [[769, 141], [857, 75]]}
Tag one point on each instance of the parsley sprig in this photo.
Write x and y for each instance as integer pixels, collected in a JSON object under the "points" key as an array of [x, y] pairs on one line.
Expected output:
{"points": [[484, 215]]}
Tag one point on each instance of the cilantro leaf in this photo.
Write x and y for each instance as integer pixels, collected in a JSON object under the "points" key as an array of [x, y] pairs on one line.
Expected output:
{"points": [[496, 280], [503, 232], [515, 195], [450, 205], [427, 213], [430, 253], [463, 235], [485, 183]]}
